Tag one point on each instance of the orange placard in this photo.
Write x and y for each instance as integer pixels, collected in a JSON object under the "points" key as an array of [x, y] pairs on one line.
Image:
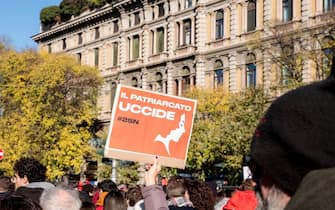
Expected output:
{"points": [[145, 124]]}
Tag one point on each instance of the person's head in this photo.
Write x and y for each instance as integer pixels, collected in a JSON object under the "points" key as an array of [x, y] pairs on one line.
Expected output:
{"points": [[28, 170], [86, 205], [176, 187], [134, 195], [5, 183], [201, 195], [60, 197], [107, 185], [114, 200], [18, 202], [295, 136], [89, 189]]}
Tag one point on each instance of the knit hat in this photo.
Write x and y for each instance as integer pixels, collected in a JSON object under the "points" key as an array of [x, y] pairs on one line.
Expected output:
{"points": [[297, 134]]}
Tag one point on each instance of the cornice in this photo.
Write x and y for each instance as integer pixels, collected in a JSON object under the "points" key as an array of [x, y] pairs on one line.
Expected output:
{"points": [[84, 18]]}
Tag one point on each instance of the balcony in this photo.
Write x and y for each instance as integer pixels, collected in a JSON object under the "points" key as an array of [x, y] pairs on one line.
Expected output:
{"points": [[110, 71], [158, 57], [135, 62], [184, 50], [218, 43]]}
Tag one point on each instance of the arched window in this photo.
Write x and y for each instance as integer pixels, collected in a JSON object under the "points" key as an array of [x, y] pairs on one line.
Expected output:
{"points": [[287, 10], [159, 80], [186, 79], [218, 73], [219, 24], [251, 15], [134, 82], [251, 71]]}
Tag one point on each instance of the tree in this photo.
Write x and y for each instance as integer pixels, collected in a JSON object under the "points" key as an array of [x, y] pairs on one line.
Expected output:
{"points": [[222, 131], [49, 103], [48, 15], [71, 8], [293, 46]]}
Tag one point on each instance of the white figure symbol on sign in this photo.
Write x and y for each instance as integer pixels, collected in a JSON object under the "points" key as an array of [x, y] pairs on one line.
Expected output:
{"points": [[174, 135]]}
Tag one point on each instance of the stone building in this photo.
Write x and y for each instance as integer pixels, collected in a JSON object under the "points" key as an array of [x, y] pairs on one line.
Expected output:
{"points": [[172, 45]]}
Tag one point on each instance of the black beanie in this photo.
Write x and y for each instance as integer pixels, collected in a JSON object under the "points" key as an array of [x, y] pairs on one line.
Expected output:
{"points": [[297, 134]]}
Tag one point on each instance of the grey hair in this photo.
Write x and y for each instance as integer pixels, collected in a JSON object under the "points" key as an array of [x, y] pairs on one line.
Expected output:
{"points": [[60, 198], [276, 200]]}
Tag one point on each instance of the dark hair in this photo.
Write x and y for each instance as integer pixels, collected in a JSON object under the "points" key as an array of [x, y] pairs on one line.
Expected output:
{"points": [[200, 194], [247, 184], [134, 195], [18, 202], [114, 200], [88, 188], [87, 206], [31, 168], [107, 185], [176, 187], [5, 183]]}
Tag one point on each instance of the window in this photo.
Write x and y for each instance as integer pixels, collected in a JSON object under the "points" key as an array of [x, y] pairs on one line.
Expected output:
{"points": [[218, 73], [79, 57], [287, 10], [328, 5], [188, 4], [219, 24], [161, 11], [134, 82], [115, 26], [187, 32], [129, 20], [137, 18], [136, 47], [251, 71], [115, 53], [287, 67], [49, 48], [178, 34], [159, 80], [160, 40], [96, 57], [80, 38], [251, 16], [64, 43], [96, 33], [186, 79]]}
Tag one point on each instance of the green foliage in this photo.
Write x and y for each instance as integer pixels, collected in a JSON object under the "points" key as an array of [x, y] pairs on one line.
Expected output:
{"points": [[127, 172], [222, 131], [49, 103], [71, 8], [97, 3], [48, 15]]}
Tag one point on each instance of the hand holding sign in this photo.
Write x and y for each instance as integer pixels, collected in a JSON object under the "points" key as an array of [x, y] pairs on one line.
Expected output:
{"points": [[146, 123]]}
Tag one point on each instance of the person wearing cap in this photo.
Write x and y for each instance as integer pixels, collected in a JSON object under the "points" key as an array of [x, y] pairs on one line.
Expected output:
{"points": [[293, 149]]}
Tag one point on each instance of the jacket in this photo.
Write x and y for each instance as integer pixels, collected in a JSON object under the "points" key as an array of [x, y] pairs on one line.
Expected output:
{"points": [[242, 200], [154, 199]]}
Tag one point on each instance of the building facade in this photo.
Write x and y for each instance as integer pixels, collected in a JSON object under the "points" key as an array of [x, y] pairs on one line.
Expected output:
{"points": [[172, 45]]}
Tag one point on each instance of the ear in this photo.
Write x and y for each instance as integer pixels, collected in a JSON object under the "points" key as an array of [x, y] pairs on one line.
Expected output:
{"points": [[25, 180]]}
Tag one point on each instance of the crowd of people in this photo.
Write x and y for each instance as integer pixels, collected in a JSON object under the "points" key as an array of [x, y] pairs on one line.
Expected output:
{"points": [[292, 162], [29, 190]]}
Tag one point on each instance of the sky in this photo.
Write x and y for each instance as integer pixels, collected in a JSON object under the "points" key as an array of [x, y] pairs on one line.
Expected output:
{"points": [[20, 19]]}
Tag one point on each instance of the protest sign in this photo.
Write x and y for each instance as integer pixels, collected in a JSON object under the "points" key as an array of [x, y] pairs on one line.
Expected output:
{"points": [[145, 124]]}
